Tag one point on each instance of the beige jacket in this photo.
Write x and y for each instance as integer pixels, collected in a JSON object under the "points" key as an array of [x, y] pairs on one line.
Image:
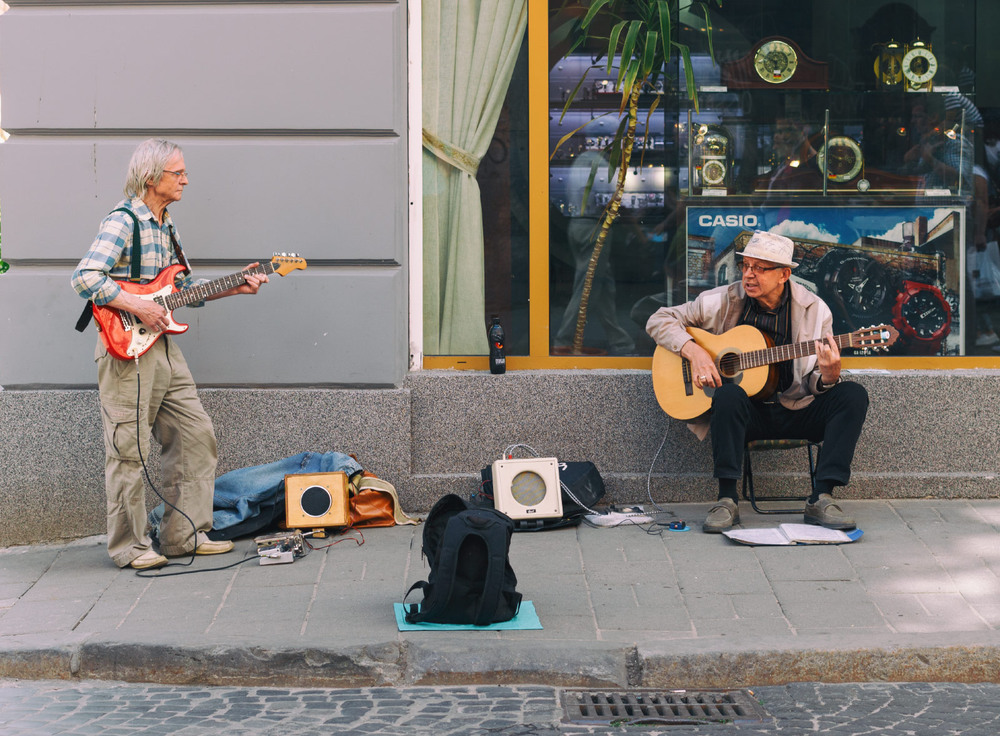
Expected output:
{"points": [[719, 309]]}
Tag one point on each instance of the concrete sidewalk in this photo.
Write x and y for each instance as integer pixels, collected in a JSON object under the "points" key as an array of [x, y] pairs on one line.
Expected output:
{"points": [[917, 598]]}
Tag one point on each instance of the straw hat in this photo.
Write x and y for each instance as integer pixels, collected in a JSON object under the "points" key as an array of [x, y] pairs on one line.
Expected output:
{"points": [[770, 247]]}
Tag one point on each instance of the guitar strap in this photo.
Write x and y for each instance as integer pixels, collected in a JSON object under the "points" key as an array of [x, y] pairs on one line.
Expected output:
{"points": [[135, 261], [178, 251]]}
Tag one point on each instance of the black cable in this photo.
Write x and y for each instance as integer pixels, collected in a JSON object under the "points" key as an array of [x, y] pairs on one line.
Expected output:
{"points": [[649, 476], [155, 572]]}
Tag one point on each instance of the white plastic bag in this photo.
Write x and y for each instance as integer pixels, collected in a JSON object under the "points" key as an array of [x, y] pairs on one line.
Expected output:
{"points": [[984, 270]]}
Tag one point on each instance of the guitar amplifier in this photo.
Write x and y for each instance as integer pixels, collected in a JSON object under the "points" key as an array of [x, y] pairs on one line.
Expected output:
{"points": [[316, 500], [528, 488]]}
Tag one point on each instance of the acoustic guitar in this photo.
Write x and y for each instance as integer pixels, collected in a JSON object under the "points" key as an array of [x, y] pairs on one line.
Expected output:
{"points": [[127, 337], [742, 355]]}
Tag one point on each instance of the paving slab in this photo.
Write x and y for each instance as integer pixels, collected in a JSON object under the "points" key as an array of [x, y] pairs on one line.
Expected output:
{"points": [[917, 598]]}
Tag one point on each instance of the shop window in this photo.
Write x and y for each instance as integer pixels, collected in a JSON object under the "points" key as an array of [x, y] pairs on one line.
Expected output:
{"points": [[860, 129], [474, 172]]}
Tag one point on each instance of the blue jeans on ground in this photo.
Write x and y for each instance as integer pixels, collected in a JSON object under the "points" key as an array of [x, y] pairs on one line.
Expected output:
{"points": [[248, 499]]}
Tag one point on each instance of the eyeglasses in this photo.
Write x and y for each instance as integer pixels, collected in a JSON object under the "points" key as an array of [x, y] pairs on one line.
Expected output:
{"points": [[182, 174], [757, 270]]}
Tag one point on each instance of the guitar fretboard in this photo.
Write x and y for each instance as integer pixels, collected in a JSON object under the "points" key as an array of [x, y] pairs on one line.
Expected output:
{"points": [[780, 353], [203, 291]]}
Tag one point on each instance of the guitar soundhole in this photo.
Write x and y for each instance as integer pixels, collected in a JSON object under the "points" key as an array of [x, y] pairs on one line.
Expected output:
{"points": [[729, 366]]}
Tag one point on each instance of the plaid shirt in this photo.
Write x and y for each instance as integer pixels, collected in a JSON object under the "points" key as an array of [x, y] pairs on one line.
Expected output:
{"points": [[777, 325], [109, 259]]}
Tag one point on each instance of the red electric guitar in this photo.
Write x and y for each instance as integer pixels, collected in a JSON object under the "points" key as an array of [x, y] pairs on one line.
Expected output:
{"points": [[126, 337]]}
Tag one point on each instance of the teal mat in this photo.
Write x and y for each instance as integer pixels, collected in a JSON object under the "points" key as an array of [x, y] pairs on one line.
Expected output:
{"points": [[526, 618]]}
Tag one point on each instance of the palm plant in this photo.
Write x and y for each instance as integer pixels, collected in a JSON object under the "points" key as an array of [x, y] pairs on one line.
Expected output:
{"points": [[643, 37]]}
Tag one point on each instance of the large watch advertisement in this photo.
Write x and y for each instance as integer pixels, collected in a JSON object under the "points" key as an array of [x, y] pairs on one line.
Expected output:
{"points": [[871, 265]]}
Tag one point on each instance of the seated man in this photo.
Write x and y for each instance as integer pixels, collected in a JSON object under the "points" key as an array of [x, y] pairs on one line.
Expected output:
{"points": [[811, 401]]}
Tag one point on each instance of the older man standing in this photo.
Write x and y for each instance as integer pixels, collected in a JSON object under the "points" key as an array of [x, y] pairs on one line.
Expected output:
{"points": [[154, 392], [811, 400]]}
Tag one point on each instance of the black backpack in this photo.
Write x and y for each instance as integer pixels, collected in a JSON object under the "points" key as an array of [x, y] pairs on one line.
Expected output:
{"points": [[471, 580]]}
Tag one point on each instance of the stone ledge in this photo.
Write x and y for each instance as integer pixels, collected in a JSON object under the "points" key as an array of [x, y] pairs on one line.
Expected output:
{"points": [[448, 662], [434, 433]]}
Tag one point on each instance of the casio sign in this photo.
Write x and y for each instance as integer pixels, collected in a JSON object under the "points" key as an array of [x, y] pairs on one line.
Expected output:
{"points": [[748, 221]]}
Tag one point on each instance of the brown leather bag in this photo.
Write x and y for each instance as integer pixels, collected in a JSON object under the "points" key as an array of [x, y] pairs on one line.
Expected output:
{"points": [[373, 502]]}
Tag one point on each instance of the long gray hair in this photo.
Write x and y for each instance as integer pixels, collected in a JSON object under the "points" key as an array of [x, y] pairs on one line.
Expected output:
{"points": [[148, 161]]}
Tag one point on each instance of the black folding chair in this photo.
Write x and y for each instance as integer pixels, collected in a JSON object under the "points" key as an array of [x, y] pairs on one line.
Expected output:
{"points": [[770, 445]]}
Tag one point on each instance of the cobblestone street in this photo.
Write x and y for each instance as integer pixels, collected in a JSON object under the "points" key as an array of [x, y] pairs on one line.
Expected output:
{"points": [[91, 708]]}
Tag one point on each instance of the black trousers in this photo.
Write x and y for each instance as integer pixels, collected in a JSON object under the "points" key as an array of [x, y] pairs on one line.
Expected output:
{"points": [[834, 418]]}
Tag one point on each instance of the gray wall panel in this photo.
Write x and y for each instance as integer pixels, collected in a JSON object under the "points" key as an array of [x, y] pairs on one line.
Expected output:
{"points": [[329, 198], [326, 198], [293, 121], [317, 326], [280, 66], [38, 344]]}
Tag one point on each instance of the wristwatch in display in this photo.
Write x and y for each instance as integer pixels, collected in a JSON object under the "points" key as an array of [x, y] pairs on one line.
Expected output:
{"points": [[840, 158], [860, 285], [923, 317], [775, 61], [919, 67]]}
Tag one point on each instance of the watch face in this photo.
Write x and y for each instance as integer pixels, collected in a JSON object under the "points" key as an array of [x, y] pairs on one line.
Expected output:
{"points": [[919, 66], [926, 313], [861, 284], [841, 158], [713, 172], [775, 62]]}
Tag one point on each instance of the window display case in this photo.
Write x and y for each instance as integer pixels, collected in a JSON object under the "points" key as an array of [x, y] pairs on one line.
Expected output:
{"points": [[847, 130], [850, 126], [799, 147]]}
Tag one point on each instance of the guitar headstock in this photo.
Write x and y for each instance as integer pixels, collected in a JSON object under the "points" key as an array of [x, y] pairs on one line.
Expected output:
{"points": [[873, 339], [285, 263]]}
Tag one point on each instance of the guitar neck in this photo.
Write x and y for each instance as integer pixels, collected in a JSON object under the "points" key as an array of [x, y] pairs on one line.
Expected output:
{"points": [[203, 291], [781, 353]]}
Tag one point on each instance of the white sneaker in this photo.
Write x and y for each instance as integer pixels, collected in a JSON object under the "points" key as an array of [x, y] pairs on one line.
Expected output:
{"points": [[986, 339], [207, 546], [148, 559]]}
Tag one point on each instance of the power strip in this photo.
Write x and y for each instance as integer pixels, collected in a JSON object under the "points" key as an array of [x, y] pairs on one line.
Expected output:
{"points": [[616, 518]]}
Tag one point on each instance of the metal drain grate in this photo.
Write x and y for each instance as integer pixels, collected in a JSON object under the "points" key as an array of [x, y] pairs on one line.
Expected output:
{"points": [[674, 707]]}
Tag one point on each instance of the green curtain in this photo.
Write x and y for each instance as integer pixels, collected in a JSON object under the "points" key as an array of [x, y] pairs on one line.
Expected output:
{"points": [[469, 51]]}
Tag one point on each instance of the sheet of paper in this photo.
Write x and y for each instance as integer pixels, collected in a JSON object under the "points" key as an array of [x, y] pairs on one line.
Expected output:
{"points": [[762, 535], [812, 534]]}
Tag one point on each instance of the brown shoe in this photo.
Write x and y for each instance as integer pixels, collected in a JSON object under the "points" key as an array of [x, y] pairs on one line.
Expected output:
{"points": [[207, 546], [148, 560], [721, 517], [826, 512]]}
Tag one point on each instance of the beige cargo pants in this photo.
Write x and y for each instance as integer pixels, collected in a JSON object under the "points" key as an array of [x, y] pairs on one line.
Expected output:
{"points": [[170, 409]]}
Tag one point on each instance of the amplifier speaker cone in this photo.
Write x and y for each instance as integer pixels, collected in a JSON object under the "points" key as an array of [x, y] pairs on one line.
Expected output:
{"points": [[528, 488], [316, 500]]}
